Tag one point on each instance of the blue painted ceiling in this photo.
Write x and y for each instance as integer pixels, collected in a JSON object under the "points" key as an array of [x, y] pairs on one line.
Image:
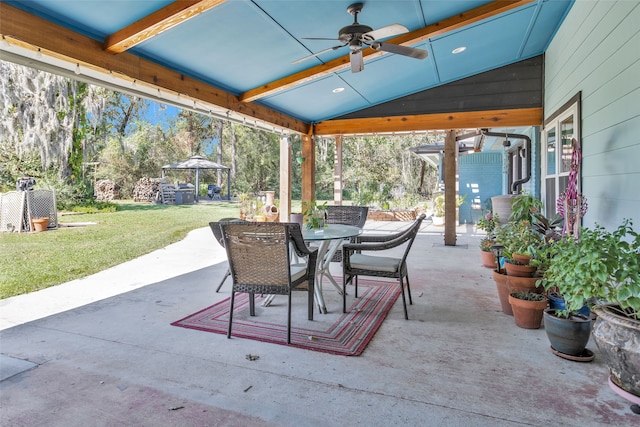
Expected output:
{"points": [[243, 44]]}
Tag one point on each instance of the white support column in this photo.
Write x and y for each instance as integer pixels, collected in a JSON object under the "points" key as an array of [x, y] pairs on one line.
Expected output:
{"points": [[285, 178], [337, 172]]}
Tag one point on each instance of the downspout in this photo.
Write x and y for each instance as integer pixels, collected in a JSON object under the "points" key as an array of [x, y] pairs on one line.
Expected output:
{"points": [[515, 186]]}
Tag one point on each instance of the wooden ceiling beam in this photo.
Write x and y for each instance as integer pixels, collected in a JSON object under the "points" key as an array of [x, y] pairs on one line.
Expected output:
{"points": [[161, 20], [450, 24], [34, 32], [424, 122]]}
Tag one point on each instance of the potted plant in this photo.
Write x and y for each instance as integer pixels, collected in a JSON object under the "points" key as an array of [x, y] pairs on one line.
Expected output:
{"points": [[521, 242], [487, 257], [523, 207], [568, 275], [315, 214], [488, 223], [516, 237], [438, 208], [616, 290], [527, 308]]}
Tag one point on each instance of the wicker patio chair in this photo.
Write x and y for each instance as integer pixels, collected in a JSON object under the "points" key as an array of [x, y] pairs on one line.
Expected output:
{"points": [[217, 233], [356, 263], [259, 259], [347, 215]]}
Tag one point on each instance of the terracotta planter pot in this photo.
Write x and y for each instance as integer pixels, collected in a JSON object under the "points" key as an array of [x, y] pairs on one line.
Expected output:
{"points": [[527, 314], [618, 339], [567, 336], [503, 292], [522, 259], [523, 284], [40, 224], [488, 259], [519, 270]]}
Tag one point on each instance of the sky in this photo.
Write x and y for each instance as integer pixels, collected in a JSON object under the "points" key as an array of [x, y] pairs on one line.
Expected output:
{"points": [[164, 114], [160, 114]]}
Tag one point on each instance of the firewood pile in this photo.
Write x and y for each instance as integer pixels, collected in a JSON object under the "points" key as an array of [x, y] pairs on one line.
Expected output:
{"points": [[107, 190], [147, 189]]}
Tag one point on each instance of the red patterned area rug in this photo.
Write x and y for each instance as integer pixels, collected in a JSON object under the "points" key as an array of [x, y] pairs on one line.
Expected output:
{"points": [[336, 333]]}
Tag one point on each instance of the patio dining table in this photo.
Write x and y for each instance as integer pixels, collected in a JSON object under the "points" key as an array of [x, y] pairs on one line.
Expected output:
{"points": [[330, 237]]}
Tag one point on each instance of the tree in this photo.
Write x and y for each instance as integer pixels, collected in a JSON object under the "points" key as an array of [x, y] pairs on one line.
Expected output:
{"points": [[35, 116], [51, 117], [257, 159]]}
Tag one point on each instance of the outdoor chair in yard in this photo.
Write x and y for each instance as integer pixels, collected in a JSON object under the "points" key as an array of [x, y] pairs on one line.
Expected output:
{"points": [[357, 260], [347, 215], [217, 233], [259, 260]]}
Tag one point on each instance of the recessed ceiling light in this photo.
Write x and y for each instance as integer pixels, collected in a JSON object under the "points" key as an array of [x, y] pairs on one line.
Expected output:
{"points": [[338, 90], [459, 50]]}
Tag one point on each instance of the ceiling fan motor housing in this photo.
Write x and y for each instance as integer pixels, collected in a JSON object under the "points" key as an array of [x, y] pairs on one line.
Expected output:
{"points": [[353, 32]]}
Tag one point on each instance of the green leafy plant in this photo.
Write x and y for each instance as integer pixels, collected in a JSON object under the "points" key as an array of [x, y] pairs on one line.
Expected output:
{"points": [[519, 238], [602, 266], [315, 214], [489, 222], [549, 228], [528, 296], [486, 243], [438, 204], [523, 207], [95, 206]]}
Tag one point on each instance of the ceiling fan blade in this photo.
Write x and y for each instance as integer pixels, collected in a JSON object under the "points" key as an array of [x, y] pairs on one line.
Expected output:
{"points": [[357, 64], [319, 38], [384, 32], [400, 50], [318, 53]]}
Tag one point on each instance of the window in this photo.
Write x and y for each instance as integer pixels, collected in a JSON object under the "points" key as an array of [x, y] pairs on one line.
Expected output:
{"points": [[559, 129]]}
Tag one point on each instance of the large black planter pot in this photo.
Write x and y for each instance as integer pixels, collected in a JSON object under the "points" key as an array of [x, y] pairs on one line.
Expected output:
{"points": [[567, 336], [618, 339]]}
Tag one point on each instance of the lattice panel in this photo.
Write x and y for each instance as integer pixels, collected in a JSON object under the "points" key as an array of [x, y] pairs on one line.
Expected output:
{"points": [[42, 203], [17, 208], [12, 209]]}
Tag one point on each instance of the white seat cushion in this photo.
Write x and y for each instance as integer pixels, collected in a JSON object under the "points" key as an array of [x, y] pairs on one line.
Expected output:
{"points": [[297, 271], [379, 263]]}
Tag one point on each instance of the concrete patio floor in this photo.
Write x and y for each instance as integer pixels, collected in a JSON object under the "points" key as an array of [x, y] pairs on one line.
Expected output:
{"points": [[100, 351]]}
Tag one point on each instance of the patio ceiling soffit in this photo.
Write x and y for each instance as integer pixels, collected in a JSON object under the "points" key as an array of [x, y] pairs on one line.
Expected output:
{"points": [[446, 25], [38, 34], [179, 12]]}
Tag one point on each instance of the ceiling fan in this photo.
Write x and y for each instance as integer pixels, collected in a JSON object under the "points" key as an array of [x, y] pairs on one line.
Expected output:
{"points": [[358, 36]]}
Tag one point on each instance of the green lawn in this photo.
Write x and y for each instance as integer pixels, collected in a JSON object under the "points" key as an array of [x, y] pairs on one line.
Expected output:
{"points": [[33, 261]]}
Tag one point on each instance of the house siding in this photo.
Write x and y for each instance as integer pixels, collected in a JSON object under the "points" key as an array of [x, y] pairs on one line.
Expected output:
{"points": [[480, 178], [596, 52]]}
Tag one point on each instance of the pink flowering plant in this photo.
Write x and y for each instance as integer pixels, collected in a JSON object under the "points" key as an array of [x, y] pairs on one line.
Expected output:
{"points": [[488, 222]]}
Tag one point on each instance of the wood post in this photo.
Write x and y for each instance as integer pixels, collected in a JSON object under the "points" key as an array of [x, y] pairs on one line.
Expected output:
{"points": [[450, 166], [308, 168]]}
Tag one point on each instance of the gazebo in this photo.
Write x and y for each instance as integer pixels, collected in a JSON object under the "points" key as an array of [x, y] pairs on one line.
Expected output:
{"points": [[197, 163]]}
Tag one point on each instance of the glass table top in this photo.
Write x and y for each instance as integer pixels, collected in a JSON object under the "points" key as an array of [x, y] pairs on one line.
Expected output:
{"points": [[330, 232]]}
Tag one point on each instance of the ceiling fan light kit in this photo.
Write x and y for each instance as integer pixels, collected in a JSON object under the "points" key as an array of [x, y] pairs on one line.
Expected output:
{"points": [[359, 36]]}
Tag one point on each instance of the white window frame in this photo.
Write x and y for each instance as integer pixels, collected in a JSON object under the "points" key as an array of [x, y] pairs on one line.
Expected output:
{"points": [[560, 173]]}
